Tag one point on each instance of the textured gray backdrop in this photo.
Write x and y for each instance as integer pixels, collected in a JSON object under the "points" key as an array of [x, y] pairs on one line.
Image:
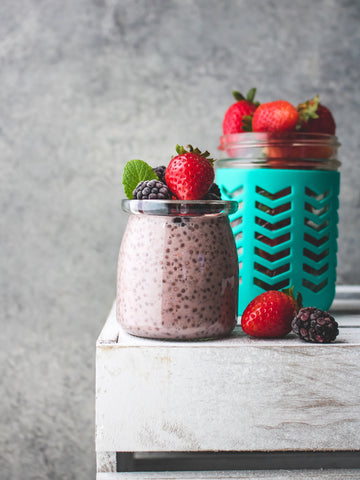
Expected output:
{"points": [[85, 86]]}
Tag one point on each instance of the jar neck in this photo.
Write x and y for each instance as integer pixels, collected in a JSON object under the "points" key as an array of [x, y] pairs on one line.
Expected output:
{"points": [[289, 150], [175, 208]]}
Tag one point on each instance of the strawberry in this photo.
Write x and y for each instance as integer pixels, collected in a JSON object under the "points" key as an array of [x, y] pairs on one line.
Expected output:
{"points": [[244, 107], [315, 117], [270, 314], [190, 174], [278, 116], [293, 148]]}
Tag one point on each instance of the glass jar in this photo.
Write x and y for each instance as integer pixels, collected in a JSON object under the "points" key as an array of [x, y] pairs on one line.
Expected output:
{"points": [[177, 270], [287, 188]]}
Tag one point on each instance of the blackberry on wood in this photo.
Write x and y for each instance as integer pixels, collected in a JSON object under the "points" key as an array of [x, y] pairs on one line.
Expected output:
{"points": [[314, 325], [151, 190]]}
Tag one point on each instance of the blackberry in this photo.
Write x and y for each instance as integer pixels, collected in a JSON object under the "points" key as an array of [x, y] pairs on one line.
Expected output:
{"points": [[152, 190], [213, 193], [314, 325], [160, 172]]}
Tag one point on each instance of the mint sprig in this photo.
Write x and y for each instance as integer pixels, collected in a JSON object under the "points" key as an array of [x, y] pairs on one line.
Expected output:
{"points": [[136, 171]]}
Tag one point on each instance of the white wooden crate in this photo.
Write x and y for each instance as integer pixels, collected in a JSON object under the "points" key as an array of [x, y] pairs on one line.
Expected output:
{"points": [[231, 395], [341, 474]]}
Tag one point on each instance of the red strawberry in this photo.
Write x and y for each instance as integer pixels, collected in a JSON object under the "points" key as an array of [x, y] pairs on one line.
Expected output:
{"points": [[291, 148], [244, 107], [278, 116], [270, 314], [315, 117], [190, 174]]}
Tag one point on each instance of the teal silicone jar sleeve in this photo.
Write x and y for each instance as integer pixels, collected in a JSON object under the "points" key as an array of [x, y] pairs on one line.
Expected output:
{"points": [[285, 230]]}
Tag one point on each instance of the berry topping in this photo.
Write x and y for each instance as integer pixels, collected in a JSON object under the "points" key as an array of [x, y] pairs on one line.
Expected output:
{"points": [[314, 325], [136, 171], [244, 107], [315, 117], [151, 189], [160, 172], [278, 116], [190, 174], [270, 314], [213, 193]]}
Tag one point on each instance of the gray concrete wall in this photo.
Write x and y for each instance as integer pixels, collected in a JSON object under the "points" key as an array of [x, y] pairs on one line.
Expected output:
{"points": [[85, 86]]}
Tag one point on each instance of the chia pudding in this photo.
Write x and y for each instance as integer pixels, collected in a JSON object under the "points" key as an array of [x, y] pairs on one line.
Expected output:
{"points": [[178, 272]]}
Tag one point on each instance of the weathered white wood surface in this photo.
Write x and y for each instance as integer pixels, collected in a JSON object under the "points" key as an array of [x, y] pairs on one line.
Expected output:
{"points": [[346, 308], [235, 394], [106, 461], [341, 474], [347, 298]]}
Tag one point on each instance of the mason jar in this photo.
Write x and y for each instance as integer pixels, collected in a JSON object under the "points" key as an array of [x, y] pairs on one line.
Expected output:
{"points": [[177, 270], [285, 228]]}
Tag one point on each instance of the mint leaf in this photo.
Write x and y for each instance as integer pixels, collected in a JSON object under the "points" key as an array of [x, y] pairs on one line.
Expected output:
{"points": [[136, 171]]}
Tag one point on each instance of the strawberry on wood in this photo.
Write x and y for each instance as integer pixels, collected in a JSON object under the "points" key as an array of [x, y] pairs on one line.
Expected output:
{"points": [[270, 314]]}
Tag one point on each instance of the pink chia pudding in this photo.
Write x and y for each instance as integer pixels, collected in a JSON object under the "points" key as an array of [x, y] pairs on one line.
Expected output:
{"points": [[177, 272]]}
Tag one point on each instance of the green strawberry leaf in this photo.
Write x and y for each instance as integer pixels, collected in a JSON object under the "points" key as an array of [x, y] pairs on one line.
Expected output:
{"points": [[238, 96], [307, 111], [251, 95], [298, 300], [136, 171], [247, 123], [180, 150]]}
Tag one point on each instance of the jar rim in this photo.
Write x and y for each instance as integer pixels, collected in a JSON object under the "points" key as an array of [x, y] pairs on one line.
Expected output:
{"points": [[265, 138], [281, 150], [179, 207]]}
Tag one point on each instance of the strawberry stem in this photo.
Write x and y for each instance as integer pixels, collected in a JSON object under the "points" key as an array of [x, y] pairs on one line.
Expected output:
{"points": [[238, 96], [298, 300], [247, 123], [181, 150], [251, 95], [307, 110]]}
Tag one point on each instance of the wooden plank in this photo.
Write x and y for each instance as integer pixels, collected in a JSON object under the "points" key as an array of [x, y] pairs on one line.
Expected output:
{"points": [[234, 394], [349, 335], [238, 338], [346, 309], [345, 305], [206, 461], [340, 474], [347, 298], [106, 461], [347, 290], [262, 397], [110, 332]]}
